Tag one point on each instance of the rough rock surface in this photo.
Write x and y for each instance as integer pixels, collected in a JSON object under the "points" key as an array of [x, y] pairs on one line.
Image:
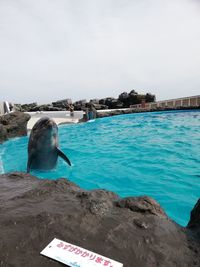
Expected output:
{"points": [[13, 124], [134, 231], [194, 223], [3, 133]]}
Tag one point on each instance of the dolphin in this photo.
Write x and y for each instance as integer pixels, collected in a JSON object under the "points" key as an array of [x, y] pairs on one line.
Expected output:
{"points": [[43, 148]]}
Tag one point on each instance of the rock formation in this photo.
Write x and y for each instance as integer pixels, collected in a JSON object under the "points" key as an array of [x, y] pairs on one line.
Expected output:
{"points": [[13, 124], [133, 230], [194, 223], [3, 133]]}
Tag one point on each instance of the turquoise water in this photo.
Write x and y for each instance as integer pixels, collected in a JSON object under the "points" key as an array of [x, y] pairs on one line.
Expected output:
{"points": [[154, 154]]}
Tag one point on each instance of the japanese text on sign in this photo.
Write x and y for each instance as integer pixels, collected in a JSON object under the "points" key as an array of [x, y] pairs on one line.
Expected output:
{"points": [[75, 256]]}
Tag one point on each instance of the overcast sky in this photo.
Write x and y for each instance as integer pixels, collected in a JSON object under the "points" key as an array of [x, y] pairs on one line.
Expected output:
{"points": [[83, 49]]}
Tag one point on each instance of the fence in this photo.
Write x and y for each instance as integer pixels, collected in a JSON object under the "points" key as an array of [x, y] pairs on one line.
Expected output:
{"points": [[191, 101]]}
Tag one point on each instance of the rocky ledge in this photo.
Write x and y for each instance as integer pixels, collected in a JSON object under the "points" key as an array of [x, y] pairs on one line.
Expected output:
{"points": [[135, 110], [13, 124], [134, 230]]}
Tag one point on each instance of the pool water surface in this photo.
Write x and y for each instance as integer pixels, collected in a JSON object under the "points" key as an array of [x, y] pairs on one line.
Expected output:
{"points": [[154, 154]]}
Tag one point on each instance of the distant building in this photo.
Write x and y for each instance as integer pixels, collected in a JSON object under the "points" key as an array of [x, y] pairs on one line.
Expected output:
{"points": [[190, 101]]}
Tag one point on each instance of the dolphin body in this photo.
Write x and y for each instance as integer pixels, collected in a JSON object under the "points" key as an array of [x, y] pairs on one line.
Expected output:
{"points": [[43, 148]]}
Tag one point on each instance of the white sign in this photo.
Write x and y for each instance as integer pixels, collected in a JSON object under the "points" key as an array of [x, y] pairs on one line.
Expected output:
{"points": [[75, 256]]}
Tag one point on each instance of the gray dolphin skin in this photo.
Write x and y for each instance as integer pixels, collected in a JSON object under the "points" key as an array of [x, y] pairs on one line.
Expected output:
{"points": [[43, 148]]}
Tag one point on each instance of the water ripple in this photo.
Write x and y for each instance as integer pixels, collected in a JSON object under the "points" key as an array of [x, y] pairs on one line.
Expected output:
{"points": [[155, 154]]}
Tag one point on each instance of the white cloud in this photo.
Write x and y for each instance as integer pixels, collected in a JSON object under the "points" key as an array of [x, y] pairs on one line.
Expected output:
{"points": [[95, 48]]}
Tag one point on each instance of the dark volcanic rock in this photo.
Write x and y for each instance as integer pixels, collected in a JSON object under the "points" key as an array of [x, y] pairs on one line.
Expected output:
{"points": [[134, 231], [28, 107], [194, 222], [142, 204], [13, 124], [33, 107], [3, 133]]}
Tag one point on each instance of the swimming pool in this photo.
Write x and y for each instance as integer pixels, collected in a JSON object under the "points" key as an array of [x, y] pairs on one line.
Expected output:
{"points": [[154, 154]]}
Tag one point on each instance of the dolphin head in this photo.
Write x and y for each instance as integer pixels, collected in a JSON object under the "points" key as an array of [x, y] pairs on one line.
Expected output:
{"points": [[43, 148], [45, 132]]}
